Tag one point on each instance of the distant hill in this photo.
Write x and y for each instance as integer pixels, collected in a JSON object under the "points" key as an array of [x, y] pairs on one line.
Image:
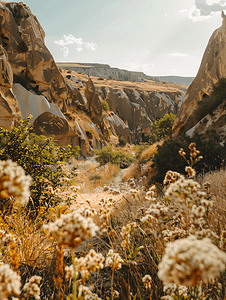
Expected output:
{"points": [[107, 72], [176, 79]]}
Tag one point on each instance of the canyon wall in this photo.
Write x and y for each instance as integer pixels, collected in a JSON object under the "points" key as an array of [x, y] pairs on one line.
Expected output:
{"points": [[195, 114]]}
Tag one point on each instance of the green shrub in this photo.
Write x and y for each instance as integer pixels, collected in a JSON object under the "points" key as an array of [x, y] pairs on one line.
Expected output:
{"points": [[105, 105], [100, 78], [39, 156], [139, 148], [89, 134], [167, 156], [161, 128], [107, 155]]}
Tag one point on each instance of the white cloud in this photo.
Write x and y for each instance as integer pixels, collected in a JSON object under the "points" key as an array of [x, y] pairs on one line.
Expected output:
{"points": [[178, 54], [183, 11], [70, 39], [204, 9], [136, 66]]}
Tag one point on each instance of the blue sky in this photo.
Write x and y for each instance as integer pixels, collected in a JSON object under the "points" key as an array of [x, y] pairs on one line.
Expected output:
{"points": [[158, 37]]}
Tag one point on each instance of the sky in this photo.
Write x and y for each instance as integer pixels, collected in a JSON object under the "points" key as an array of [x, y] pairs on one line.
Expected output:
{"points": [[157, 37]]}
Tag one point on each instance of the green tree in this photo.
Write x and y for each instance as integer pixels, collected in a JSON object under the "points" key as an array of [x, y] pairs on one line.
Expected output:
{"points": [[39, 156], [161, 128]]}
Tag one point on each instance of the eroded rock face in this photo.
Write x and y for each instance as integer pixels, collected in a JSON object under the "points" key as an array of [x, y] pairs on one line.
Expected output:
{"points": [[30, 83], [95, 107], [9, 109], [139, 109], [132, 106], [193, 113]]}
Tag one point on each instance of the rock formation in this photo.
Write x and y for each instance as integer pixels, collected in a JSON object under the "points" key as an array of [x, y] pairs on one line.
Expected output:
{"points": [[132, 106], [105, 71], [194, 115], [60, 102], [30, 83]]}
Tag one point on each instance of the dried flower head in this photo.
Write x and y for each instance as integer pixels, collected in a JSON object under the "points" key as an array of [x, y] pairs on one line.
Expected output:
{"points": [[71, 229], [32, 287], [126, 234], [173, 289], [9, 282], [185, 190], [113, 260], [171, 177], [182, 153], [189, 261], [85, 265], [147, 280], [85, 293], [14, 182], [191, 172], [151, 194]]}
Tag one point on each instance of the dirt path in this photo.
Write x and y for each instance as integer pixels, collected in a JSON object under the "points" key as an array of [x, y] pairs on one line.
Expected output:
{"points": [[94, 198]]}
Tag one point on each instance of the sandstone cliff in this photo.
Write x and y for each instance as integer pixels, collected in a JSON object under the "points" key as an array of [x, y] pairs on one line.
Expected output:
{"points": [[194, 114], [107, 72], [133, 106], [30, 83], [66, 104]]}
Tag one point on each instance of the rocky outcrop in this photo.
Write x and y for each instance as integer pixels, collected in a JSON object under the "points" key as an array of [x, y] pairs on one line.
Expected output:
{"points": [[66, 106], [139, 108], [30, 83], [194, 114], [95, 107], [132, 107], [105, 71]]}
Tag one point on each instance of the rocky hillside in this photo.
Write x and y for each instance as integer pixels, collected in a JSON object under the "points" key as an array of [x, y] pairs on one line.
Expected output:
{"points": [[66, 104], [133, 106], [107, 72], [194, 114]]}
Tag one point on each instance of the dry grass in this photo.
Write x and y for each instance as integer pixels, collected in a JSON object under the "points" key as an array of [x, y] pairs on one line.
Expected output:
{"points": [[33, 248], [142, 167], [216, 192], [91, 175]]}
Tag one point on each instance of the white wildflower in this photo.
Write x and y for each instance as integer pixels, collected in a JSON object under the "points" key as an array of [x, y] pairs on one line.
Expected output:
{"points": [[86, 294], [126, 234], [147, 280], [71, 229], [113, 260], [14, 182], [198, 211], [171, 177], [85, 265], [175, 234], [173, 289], [189, 261], [184, 190], [191, 172], [9, 282], [32, 287]]}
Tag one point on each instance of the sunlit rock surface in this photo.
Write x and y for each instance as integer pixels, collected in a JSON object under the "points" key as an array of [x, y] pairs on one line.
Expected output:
{"points": [[30, 83], [194, 115]]}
